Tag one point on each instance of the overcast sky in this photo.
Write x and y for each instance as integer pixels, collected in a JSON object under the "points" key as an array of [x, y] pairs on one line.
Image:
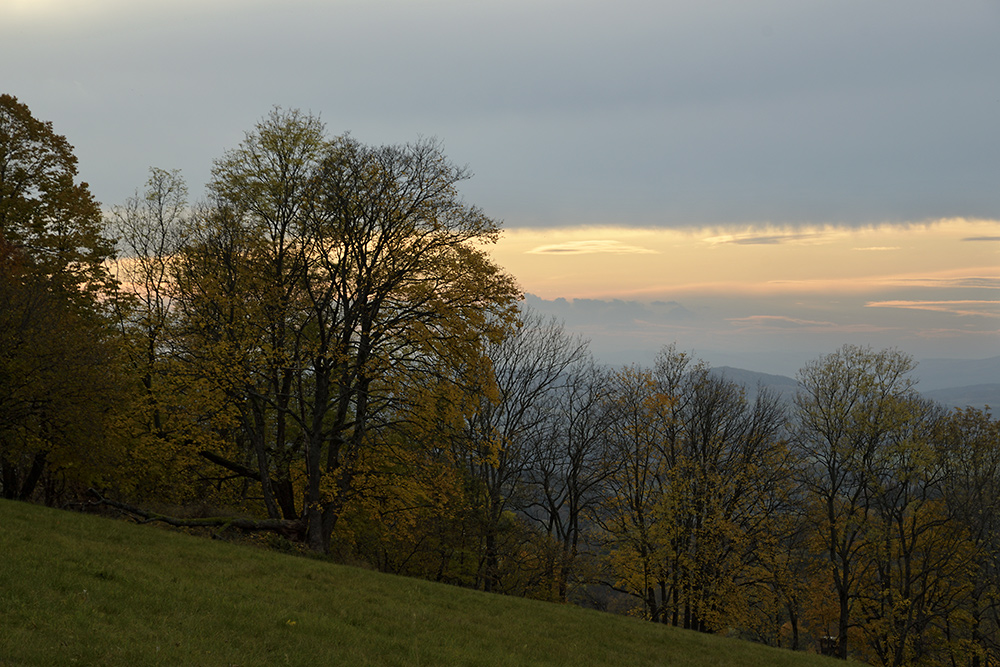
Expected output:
{"points": [[635, 113]]}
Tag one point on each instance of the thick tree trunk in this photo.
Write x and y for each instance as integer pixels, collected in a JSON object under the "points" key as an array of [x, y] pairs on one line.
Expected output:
{"points": [[491, 569], [14, 488], [842, 626], [34, 474], [8, 478], [284, 495], [793, 620]]}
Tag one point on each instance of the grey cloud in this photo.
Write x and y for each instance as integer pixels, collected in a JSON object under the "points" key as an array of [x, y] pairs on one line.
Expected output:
{"points": [[759, 240], [591, 247], [640, 112], [756, 238], [780, 322]]}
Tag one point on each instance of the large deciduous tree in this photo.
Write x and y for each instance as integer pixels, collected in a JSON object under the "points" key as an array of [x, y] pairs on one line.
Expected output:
{"points": [[400, 288], [57, 357], [243, 291], [326, 279]]}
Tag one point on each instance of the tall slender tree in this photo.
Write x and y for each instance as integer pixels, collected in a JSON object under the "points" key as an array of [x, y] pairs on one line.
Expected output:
{"points": [[852, 406], [529, 368]]}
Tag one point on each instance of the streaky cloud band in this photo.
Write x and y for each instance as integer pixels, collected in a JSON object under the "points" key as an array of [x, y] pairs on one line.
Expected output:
{"points": [[591, 247]]}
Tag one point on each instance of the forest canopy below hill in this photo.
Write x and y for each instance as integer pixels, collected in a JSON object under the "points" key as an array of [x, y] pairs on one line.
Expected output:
{"points": [[324, 351]]}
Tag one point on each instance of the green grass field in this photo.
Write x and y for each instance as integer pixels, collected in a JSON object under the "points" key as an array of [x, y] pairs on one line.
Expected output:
{"points": [[84, 590]]}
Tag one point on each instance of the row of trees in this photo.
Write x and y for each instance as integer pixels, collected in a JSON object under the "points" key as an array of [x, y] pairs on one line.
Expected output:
{"points": [[323, 351], [860, 518]]}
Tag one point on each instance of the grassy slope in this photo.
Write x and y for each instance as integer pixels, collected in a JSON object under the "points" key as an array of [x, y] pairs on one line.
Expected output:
{"points": [[78, 589]]}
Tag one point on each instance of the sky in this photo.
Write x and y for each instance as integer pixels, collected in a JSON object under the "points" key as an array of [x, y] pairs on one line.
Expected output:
{"points": [[767, 298], [758, 182]]}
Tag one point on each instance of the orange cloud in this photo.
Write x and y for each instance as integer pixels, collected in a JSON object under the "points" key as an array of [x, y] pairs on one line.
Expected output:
{"points": [[962, 307]]}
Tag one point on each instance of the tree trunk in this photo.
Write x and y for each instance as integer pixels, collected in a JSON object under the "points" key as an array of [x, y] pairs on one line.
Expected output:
{"points": [[793, 619], [842, 625], [256, 431], [34, 474], [491, 569], [8, 478]]}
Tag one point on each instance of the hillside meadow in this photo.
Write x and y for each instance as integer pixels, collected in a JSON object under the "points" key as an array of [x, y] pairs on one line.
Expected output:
{"points": [[81, 589]]}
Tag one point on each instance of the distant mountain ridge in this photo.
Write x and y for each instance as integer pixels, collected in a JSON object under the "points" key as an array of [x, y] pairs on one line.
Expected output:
{"points": [[782, 385], [976, 396], [937, 374], [954, 383]]}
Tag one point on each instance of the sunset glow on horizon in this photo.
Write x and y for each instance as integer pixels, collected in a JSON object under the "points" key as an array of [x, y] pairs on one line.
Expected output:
{"points": [[933, 288], [648, 263]]}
